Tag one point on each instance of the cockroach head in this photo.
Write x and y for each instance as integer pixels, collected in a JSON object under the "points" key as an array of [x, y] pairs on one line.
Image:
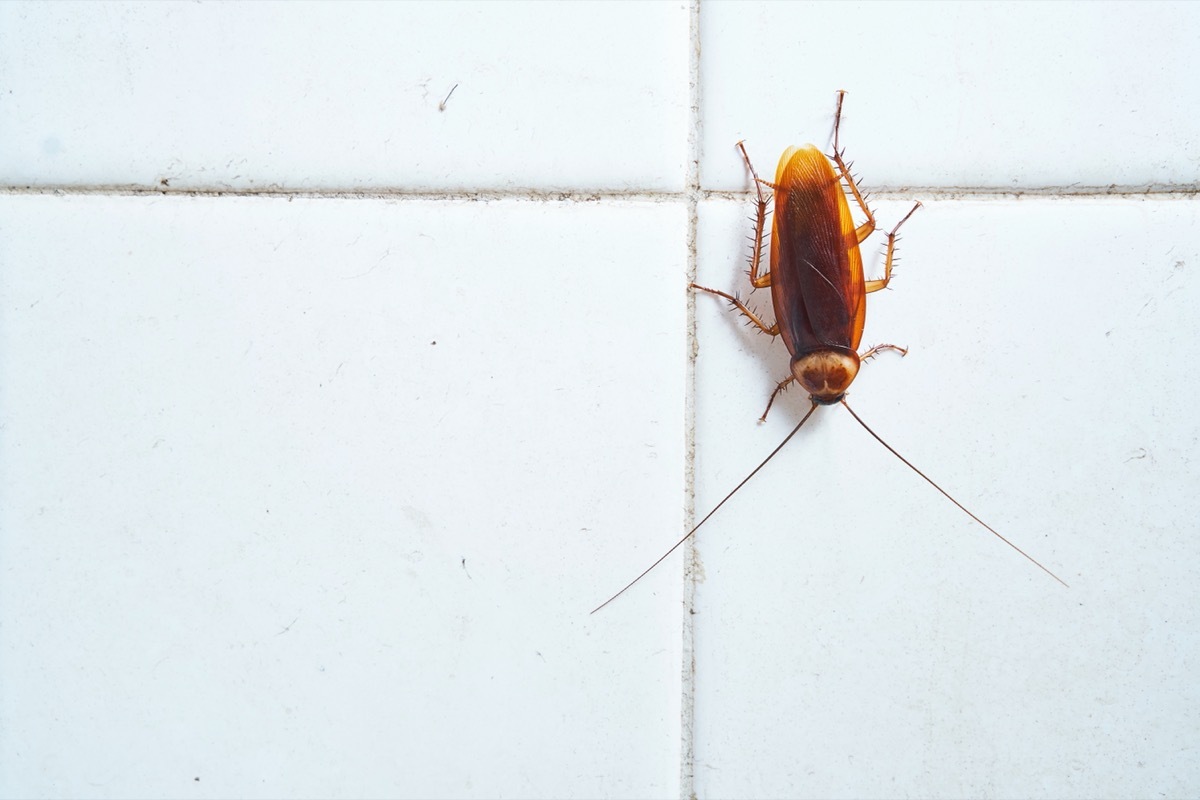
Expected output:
{"points": [[826, 374]]}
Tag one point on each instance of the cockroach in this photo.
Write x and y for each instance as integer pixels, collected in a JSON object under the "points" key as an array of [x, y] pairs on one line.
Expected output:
{"points": [[818, 292]]}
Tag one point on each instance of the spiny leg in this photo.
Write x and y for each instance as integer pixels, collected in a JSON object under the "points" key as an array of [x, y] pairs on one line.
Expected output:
{"points": [[879, 348], [782, 385], [871, 353], [759, 282], [770, 330], [868, 227], [875, 286]]}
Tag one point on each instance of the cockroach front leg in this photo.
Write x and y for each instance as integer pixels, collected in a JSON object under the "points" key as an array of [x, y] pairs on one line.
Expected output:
{"points": [[879, 348], [871, 353], [875, 286], [782, 385]]}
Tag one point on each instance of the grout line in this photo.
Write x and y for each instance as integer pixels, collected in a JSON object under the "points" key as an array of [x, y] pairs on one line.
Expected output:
{"points": [[692, 193], [687, 759]]}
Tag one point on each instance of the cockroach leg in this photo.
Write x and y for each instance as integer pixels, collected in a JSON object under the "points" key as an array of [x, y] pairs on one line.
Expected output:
{"points": [[758, 281], [782, 385], [770, 330], [875, 286], [879, 348], [868, 227], [837, 118]]}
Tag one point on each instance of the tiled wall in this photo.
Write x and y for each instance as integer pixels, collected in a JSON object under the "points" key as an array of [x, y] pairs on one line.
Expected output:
{"points": [[330, 406]]}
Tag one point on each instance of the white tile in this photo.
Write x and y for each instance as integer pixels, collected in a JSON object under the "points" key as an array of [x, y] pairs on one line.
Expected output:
{"points": [[260, 536], [857, 635], [312, 498], [345, 96], [963, 95]]}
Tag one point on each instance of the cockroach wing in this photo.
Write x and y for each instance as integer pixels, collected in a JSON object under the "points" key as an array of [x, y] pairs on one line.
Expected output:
{"points": [[816, 269]]}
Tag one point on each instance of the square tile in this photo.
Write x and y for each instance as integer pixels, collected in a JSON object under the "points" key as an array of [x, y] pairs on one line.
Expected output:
{"points": [[313, 497], [345, 97], [855, 632], [1001, 95], [312, 493]]}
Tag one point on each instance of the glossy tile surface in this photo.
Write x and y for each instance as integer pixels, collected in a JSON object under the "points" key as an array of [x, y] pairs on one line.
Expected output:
{"points": [[263, 96], [331, 402], [1002, 95], [855, 631], [312, 497]]}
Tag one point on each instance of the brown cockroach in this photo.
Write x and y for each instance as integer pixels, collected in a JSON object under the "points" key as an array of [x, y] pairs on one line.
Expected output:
{"points": [[818, 292]]}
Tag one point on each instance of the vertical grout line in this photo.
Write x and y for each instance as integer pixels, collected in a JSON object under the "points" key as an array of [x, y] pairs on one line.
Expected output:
{"points": [[687, 760]]}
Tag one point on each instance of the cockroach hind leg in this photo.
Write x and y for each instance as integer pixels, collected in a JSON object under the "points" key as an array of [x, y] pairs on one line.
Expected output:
{"points": [[837, 118], [879, 348], [758, 182], [868, 227], [760, 220], [839, 158]]}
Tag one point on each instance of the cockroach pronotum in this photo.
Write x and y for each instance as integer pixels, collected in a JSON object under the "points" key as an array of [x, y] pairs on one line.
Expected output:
{"points": [[818, 292]]}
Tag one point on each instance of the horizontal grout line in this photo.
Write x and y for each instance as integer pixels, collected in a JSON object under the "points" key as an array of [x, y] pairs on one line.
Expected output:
{"points": [[384, 193], [936, 193], [932, 193]]}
